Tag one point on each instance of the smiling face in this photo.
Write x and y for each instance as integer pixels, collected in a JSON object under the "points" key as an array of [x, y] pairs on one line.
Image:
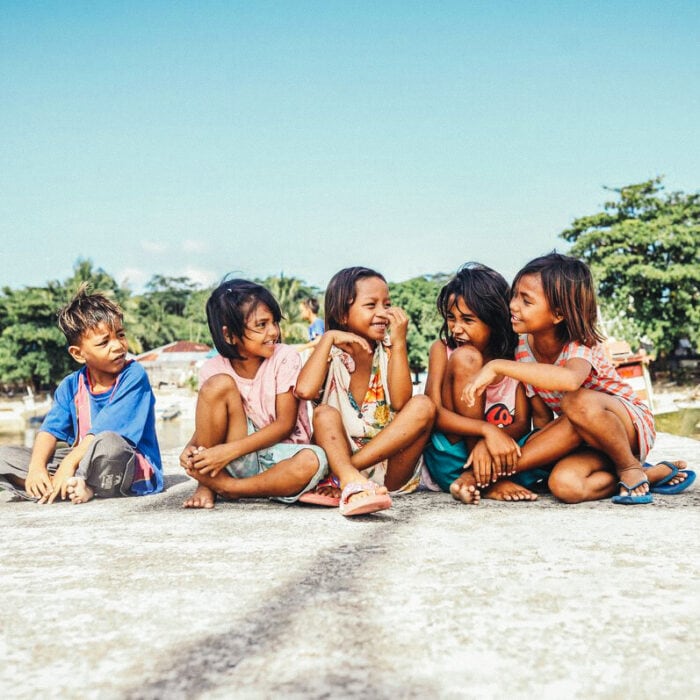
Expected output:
{"points": [[367, 314], [103, 349], [261, 334], [530, 310], [466, 327]]}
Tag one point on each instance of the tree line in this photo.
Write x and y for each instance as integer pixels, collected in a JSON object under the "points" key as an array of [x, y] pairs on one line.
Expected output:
{"points": [[643, 249]]}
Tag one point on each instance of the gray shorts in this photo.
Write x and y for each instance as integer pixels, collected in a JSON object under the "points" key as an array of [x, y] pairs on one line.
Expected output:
{"points": [[255, 463], [107, 466]]}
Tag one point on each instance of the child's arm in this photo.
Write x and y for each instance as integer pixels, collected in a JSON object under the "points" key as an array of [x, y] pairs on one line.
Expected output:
{"points": [[568, 377], [399, 373], [38, 481], [212, 460], [313, 373]]}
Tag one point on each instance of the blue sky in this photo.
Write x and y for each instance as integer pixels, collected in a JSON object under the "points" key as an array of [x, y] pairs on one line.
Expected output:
{"points": [[201, 138]]}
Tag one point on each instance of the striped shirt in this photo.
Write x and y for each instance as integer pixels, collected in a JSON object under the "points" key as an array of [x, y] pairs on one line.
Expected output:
{"points": [[602, 377]]}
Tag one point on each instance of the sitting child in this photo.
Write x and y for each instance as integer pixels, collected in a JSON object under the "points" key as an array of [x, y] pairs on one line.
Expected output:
{"points": [[104, 411], [251, 434], [370, 426]]}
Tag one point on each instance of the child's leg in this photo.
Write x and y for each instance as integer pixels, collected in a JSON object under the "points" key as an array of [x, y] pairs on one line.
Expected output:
{"points": [[286, 478], [329, 434], [401, 442], [604, 424], [219, 418], [462, 367], [585, 475]]}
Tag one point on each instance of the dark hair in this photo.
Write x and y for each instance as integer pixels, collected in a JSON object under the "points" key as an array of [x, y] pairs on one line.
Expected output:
{"points": [[340, 294], [487, 294], [568, 287], [230, 305], [86, 311], [311, 303]]}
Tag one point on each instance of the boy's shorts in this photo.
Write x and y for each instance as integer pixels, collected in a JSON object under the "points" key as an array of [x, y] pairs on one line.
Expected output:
{"points": [[445, 462], [255, 463]]}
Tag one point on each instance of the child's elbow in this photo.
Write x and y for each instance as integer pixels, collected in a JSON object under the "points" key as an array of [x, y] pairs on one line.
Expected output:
{"points": [[304, 393]]}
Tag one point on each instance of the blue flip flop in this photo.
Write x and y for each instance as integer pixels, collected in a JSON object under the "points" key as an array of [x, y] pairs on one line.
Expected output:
{"points": [[662, 487], [631, 499]]}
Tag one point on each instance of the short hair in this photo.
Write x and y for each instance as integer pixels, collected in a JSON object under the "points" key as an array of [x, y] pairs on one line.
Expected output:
{"points": [[86, 311], [487, 294], [340, 294], [230, 305], [311, 303], [568, 287]]}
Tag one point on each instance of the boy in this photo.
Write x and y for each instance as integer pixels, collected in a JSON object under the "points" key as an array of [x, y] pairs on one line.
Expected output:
{"points": [[308, 309], [105, 411]]}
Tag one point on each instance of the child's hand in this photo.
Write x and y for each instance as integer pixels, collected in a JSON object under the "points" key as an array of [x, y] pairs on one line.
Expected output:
{"points": [[346, 341], [59, 483], [38, 482], [504, 451], [186, 457], [480, 462], [398, 322], [211, 460], [478, 384]]}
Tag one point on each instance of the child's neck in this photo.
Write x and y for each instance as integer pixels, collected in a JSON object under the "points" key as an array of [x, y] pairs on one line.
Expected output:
{"points": [[546, 344], [99, 382], [247, 368]]}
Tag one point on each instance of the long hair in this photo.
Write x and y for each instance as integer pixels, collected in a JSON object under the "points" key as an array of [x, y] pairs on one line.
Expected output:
{"points": [[568, 287], [230, 305], [487, 294], [341, 292]]}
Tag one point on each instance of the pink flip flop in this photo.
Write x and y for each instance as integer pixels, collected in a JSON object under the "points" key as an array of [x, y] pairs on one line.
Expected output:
{"points": [[370, 504], [318, 499]]}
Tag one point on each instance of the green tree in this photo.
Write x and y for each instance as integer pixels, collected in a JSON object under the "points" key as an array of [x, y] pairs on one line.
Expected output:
{"points": [[417, 298], [289, 291], [644, 252]]}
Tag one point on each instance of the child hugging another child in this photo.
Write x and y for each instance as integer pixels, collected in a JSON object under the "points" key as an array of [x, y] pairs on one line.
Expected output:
{"points": [[603, 431], [251, 434], [104, 411], [481, 438], [369, 425]]}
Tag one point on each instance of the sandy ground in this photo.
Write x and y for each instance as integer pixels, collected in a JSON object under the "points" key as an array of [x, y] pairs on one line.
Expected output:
{"points": [[138, 598]]}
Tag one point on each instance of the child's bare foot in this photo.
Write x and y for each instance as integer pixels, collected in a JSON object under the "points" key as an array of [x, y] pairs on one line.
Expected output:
{"points": [[662, 470], [203, 497], [633, 476], [78, 490], [509, 491], [464, 489]]}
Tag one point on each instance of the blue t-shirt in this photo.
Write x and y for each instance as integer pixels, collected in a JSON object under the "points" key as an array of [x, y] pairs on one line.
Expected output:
{"points": [[127, 409], [316, 328]]}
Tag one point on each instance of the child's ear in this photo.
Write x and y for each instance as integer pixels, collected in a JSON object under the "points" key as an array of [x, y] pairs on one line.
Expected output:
{"points": [[558, 317], [76, 354], [228, 337]]}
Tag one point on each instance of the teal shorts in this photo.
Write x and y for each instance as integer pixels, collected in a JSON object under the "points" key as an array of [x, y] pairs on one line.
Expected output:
{"points": [[445, 462], [255, 463]]}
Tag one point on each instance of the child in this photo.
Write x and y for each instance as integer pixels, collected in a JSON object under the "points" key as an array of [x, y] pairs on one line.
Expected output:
{"points": [[251, 433], [370, 427], [309, 312], [476, 328], [105, 411], [602, 426]]}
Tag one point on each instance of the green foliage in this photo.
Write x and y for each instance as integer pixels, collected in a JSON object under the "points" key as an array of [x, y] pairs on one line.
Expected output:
{"points": [[417, 298], [644, 252]]}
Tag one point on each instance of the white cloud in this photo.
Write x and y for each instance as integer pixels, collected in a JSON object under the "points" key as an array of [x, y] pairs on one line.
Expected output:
{"points": [[133, 277], [204, 278], [191, 245], [154, 246]]}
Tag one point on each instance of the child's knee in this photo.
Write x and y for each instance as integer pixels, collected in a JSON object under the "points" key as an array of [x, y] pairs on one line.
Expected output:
{"points": [[306, 465], [577, 405], [424, 410], [217, 388], [566, 487], [466, 361], [324, 416]]}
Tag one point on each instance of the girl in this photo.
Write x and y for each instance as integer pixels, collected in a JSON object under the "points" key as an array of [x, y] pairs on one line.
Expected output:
{"points": [[370, 427], [476, 328], [602, 426], [251, 433]]}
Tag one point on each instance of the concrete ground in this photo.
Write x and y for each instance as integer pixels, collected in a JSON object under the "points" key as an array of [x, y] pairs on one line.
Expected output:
{"points": [[138, 598]]}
